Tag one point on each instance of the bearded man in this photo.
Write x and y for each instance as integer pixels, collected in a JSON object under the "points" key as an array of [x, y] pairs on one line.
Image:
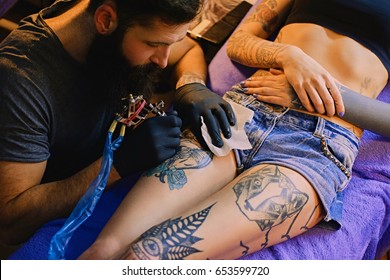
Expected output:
{"points": [[62, 75]]}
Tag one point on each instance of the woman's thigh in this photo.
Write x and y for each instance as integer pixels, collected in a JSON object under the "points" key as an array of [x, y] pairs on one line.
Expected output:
{"points": [[265, 205], [174, 186]]}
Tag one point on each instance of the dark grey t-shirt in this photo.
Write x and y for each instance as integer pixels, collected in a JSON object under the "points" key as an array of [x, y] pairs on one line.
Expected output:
{"points": [[48, 110]]}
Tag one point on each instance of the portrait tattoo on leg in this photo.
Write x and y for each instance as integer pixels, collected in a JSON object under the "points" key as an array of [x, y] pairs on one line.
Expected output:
{"points": [[269, 211], [172, 239], [173, 169]]}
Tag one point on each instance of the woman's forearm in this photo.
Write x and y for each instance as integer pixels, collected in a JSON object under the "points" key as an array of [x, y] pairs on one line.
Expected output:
{"points": [[253, 51]]}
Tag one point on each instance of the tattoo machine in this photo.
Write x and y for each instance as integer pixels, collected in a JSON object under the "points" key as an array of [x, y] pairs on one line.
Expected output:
{"points": [[135, 110]]}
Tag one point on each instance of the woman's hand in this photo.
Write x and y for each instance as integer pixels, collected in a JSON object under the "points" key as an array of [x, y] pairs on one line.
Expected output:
{"points": [[315, 87], [275, 88], [272, 87]]}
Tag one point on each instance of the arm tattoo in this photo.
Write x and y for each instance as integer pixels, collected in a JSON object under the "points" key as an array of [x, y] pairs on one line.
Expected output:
{"points": [[173, 169], [266, 16], [248, 49], [269, 211], [189, 78], [172, 239]]}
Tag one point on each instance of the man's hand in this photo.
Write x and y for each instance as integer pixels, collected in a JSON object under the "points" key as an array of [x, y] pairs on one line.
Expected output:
{"points": [[153, 141], [194, 101]]}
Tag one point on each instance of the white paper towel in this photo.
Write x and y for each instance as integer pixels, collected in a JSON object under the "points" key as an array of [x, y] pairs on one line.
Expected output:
{"points": [[239, 139]]}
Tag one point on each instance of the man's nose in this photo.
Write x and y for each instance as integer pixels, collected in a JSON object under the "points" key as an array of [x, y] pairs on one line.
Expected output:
{"points": [[160, 57]]}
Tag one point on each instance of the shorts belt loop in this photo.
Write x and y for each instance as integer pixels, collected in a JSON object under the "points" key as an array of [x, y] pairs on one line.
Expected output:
{"points": [[320, 127]]}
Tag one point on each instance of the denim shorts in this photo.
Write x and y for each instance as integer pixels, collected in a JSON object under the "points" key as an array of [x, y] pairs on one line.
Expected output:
{"points": [[321, 151]]}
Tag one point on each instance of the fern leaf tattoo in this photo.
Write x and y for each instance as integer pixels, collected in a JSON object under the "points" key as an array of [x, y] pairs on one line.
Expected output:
{"points": [[172, 239]]}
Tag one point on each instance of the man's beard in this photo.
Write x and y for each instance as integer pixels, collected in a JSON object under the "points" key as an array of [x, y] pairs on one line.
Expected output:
{"points": [[113, 77]]}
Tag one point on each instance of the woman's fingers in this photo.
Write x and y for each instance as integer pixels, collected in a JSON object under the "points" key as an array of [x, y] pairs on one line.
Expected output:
{"points": [[337, 98], [320, 95]]}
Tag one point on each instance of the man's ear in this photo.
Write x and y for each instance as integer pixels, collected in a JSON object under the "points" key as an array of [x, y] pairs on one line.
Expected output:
{"points": [[106, 19]]}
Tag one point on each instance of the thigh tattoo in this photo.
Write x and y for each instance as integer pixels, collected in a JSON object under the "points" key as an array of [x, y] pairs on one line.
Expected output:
{"points": [[172, 239], [268, 211], [173, 169]]}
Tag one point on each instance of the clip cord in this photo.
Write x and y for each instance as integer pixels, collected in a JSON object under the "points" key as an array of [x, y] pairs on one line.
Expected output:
{"points": [[87, 203]]}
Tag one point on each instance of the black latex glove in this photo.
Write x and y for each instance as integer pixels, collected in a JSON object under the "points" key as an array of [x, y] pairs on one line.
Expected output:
{"points": [[149, 144], [195, 100]]}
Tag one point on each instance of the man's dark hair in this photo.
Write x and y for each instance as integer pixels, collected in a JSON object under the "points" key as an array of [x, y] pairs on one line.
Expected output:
{"points": [[105, 57], [145, 12]]}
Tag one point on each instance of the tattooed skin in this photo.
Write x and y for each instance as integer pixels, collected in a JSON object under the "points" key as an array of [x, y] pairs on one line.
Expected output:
{"points": [[188, 78], [246, 248], [248, 49], [266, 16], [305, 227], [172, 239], [173, 169], [366, 83], [269, 211], [296, 103]]}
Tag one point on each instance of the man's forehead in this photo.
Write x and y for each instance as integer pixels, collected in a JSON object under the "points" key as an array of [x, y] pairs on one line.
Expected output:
{"points": [[164, 33]]}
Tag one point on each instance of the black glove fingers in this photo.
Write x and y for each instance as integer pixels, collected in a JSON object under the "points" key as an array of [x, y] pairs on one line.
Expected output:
{"points": [[229, 113], [174, 121], [223, 121], [197, 131], [174, 113], [165, 153], [152, 142], [171, 134], [213, 128], [196, 100]]}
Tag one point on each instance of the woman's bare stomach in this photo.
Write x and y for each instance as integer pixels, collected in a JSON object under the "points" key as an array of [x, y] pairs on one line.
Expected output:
{"points": [[348, 61], [353, 65]]}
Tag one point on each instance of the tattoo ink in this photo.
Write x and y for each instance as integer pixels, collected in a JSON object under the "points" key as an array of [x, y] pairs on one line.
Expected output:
{"points": [[269, 210], [246, 248], [305, 227], [173, 169], [296, 103], [172, 239], [266, 16]]}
